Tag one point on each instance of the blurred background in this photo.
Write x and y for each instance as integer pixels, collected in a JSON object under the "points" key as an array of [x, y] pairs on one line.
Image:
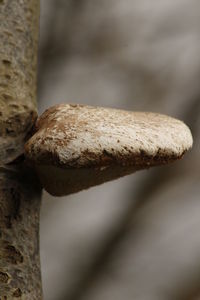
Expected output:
{"points": [[137, 237]]}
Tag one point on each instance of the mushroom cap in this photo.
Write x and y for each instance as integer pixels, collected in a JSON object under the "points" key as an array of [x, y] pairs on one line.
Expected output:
{"points": [[77, 146]]}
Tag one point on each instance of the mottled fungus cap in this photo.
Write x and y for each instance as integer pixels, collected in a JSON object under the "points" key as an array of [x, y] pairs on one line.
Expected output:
{"points": [[77, 146]]}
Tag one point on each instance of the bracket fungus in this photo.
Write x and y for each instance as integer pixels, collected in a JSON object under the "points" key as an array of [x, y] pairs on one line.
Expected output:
{"points": [[75, 147]]}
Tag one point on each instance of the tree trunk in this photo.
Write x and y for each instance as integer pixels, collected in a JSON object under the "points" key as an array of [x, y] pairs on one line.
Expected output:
{"points": [[20, 193], [19, 243]]}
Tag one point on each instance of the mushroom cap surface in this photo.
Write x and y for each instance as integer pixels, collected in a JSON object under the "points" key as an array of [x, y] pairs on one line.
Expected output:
{"points": [[78, 146]]}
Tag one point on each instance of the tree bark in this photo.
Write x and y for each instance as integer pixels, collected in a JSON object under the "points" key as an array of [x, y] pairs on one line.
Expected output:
{"points": [[18, 64], [20, 193], [19, 235]]}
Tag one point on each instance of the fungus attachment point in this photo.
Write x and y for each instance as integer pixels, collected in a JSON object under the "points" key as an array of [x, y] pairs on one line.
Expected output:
{"points": [[76, 147]]}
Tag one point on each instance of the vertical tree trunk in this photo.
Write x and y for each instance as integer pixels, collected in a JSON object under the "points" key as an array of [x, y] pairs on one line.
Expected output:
{"points": [[19, 233], [20, 193]]}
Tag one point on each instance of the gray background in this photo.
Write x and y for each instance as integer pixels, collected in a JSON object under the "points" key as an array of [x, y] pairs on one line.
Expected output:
{"points": [[137, 237]]}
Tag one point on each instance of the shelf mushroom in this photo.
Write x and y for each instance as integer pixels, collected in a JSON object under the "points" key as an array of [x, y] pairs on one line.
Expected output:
{"points": [[75, 147]]}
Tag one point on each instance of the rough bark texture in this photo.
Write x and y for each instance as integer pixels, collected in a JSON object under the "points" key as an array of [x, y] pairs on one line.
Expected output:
{"points": [[18, 61], [20, 194], [19, 238]]}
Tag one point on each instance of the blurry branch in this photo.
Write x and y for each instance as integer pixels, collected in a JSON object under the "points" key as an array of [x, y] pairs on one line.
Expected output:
{"points": [[151, 184], [124, 227]]}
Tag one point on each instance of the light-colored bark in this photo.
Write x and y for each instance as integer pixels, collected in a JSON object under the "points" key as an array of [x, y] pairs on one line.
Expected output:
{"points": [[20, 194], [18, 62]]}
